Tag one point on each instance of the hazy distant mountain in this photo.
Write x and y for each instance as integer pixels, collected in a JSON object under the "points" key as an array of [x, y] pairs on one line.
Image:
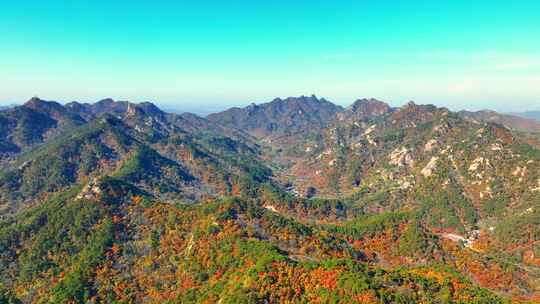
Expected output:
{"points": [[518, 123], [528, 114], [8, 106], [192, 107]]}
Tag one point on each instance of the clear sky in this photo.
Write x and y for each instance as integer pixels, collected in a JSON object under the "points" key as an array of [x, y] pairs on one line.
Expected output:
{"points": [[195, 54]]}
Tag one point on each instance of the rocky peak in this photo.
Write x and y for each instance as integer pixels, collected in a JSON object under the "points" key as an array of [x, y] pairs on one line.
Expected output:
{"points": [[117, 108], [53, 110], [150, 108], [110, 106], [141, 110], [292, 114], [75, 105], [38, 104], [302, 100], [411, 104], [105, 102], [34, 100], [132, 110], [369, 107], [411, 113]]}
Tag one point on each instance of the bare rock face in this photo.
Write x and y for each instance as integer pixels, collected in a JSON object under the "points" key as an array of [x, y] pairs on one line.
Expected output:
{"points": [[496, 147], [91, 191], [430, 145], [537, 188], [428, 170], [401, 157], [477, 162]]}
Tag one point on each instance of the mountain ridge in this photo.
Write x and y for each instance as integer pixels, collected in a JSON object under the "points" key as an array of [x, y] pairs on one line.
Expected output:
{"points": [[388, 196], [528, 114], [511, 121]]}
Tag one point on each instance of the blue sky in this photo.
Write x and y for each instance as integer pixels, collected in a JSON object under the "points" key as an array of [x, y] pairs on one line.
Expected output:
{"points": [[213, 54]]}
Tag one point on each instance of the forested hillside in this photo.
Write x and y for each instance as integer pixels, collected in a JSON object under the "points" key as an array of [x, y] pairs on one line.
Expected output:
{"points": [[292, 201]]}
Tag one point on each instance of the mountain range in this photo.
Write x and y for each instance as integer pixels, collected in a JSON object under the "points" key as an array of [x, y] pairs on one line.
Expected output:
{"points": [[529, 114], [296, 200], [520, 122]]}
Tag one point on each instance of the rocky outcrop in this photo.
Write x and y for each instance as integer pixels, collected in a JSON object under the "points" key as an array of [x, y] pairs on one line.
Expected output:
{"points": [[431, 166], [401, 157]]}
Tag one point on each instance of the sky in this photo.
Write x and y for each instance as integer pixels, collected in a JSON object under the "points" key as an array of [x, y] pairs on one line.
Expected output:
{"points": [[206, 55]]}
